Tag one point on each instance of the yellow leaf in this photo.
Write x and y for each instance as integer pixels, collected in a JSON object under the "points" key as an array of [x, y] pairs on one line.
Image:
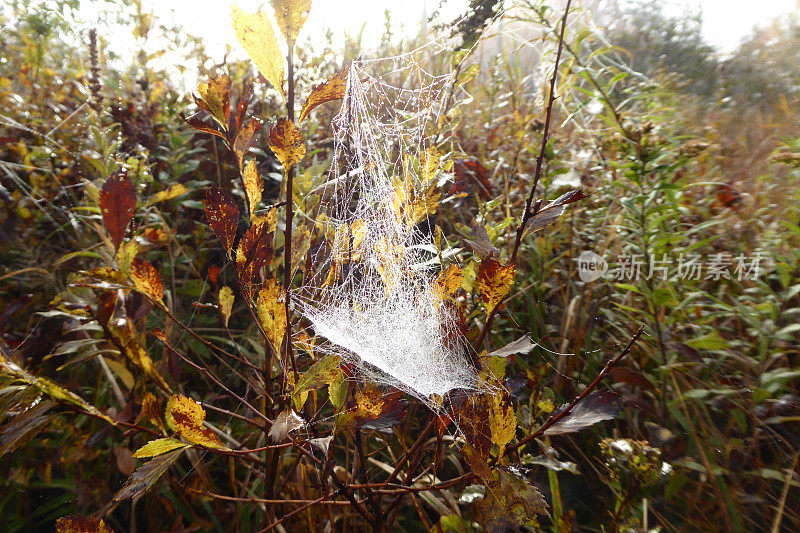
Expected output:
{"points": [[271, 312], [502, 419], [348, 240], [389, 258], [447, 282], [159, 446], [337, 391], [186, 416], [168, 194], [252, 186], [225, 299], [146, 279], [287, 143], [255, 33], [333, 89], [270, 219], [291, 15], [216, 95], [322, 372], [494, 281], [151, 410], [123, 330], [430, 165], [125, 254]]}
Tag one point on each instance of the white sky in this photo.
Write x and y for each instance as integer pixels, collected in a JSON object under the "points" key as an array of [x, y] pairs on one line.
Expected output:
{"points": [[726, 22]]}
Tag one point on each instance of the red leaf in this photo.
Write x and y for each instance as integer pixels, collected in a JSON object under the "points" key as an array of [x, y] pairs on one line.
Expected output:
{"points": [[223, 216], [254, 252], [117, 203]]}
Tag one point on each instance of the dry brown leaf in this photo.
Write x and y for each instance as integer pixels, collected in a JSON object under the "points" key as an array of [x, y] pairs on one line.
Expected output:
{"points": [[291, 15], [256, 35], [494, 281], [186, 417], [287, 143], [333, 89]]}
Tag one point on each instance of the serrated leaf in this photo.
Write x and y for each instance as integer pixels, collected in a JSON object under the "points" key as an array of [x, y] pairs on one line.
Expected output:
{"points": [[494, 282], [24, 426], [254, 253], [598, 406], [291, 15], [252, 186], [186, 416], [215, 97], [245, 138], [502, 419], [225, 299], [159, 446], [271, 312], [223, 216], [447, 282], [286, 141], [117, 205], [331, 90], [146, 279], [146, 475], [257, 37]]}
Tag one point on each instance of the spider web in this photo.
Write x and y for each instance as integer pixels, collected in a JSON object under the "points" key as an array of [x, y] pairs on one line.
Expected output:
{"points": [[371, 294]]}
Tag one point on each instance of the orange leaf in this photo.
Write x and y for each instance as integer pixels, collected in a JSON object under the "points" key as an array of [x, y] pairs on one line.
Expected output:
{"points": [[331, 90], [117, 203], [186, 416], [494, 281], [223, 216], [81, 524], [146, 279], [287, 143]]}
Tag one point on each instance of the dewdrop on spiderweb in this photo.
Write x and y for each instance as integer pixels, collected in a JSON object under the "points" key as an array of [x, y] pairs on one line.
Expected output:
{"points": [[372, 294]]}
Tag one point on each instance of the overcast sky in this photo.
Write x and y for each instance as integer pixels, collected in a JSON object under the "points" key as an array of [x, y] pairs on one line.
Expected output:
{"points": [[725, 21]]}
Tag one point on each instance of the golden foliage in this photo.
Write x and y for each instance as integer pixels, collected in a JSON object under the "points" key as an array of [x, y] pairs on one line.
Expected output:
{"points": [[252, 186], [186, 417], [159, 446], [146, 279], [215, 98], [494, 281], [333, 89], [271, 312], [225, 299], [291, 15], [287, 143], [257, 37]]}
